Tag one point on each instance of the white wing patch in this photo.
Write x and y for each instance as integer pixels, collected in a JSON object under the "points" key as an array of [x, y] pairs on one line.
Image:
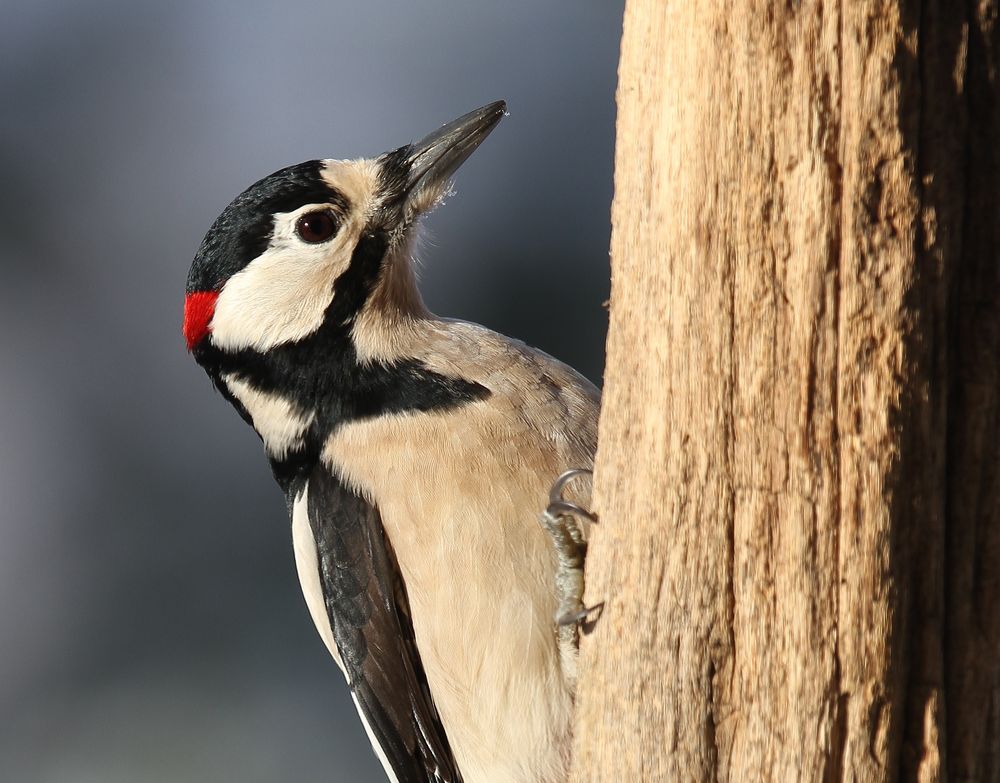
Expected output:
{"points": [[389, 771], [307, 565], [278, 421]]}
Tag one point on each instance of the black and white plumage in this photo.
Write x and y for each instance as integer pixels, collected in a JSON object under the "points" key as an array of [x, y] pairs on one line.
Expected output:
{"points": [[415, 454]]}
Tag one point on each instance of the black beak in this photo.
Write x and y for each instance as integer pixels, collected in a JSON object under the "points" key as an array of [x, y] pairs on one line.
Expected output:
{"points": [[432, 160]]}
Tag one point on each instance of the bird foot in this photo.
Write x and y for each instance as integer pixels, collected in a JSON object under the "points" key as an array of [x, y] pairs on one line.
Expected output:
{"points": [[585, 619], [562, 521]]}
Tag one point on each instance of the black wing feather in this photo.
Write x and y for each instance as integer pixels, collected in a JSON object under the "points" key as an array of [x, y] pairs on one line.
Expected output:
{"points": [[370, 616]]}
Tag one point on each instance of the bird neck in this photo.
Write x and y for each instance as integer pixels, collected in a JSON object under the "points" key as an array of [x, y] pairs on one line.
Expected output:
{"points": [[392, 313], [296, 395]]}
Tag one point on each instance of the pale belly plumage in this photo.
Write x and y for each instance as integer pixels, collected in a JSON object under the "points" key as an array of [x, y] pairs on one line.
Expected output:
{"points": [[480, 575]]}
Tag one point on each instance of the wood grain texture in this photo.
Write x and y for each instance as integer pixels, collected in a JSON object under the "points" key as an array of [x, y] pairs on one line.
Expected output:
{"points": [[798, 477]]}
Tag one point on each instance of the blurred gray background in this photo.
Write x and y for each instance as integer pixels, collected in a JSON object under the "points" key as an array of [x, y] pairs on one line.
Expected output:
{"points": [[151, 626]]}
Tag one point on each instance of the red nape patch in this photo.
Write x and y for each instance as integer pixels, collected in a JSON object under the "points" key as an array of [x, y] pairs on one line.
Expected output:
{"points": [[199, 308]]}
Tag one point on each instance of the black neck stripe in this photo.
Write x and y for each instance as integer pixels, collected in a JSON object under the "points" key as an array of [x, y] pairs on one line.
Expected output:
{"points": [[322, 373]]}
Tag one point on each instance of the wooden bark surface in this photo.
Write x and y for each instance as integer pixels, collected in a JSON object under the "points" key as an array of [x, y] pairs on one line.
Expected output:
{"points": [[798, 478]]}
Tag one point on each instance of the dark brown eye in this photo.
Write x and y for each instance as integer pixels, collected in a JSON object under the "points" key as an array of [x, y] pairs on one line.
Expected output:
{"points": [[314, 227]]}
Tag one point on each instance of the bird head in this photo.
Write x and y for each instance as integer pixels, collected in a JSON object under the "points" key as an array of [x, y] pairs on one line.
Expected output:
{"points": [[310, 246]]}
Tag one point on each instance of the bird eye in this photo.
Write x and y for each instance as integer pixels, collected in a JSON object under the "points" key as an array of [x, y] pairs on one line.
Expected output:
{"points": [[315, 227]]}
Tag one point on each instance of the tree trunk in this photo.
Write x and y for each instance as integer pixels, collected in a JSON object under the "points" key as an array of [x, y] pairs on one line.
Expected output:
{"points": [[798, 480]]}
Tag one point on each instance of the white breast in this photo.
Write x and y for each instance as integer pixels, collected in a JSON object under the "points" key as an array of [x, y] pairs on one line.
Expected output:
{"points": [[460, 506], [460, 493]]}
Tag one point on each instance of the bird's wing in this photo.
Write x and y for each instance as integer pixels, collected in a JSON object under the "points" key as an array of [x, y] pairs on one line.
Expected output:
{"points": [[370, 617]]}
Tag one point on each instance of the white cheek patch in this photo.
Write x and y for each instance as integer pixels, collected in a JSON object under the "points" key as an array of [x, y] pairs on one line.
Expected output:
{"points": [[278, 422], [283, 294]]}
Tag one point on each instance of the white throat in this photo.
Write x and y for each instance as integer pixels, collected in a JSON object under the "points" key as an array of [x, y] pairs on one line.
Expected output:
{"points": [[280, 423]]}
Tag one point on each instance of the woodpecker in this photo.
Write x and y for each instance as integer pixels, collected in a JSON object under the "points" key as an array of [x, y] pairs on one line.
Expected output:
{"points": [[415, 454]]}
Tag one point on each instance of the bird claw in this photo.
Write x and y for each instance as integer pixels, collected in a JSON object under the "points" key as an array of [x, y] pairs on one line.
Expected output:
{"points": [[558, 504], [585, 619], [561, 520]]}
